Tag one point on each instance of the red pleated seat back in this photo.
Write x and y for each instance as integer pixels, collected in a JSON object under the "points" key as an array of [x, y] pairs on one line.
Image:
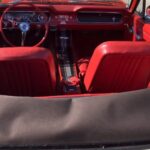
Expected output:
{"points": [[119, 67], [27, 71]]}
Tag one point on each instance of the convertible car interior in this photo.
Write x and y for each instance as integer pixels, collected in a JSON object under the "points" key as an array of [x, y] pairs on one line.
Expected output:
{"points": [[74, 74], [69, 48]]}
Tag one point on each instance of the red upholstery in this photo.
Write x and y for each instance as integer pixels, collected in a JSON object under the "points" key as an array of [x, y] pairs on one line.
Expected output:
{"points": [[27, 71], [119, 66]]}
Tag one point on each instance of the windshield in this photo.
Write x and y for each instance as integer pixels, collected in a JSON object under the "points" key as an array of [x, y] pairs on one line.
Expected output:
{"points": [[98, 2]]}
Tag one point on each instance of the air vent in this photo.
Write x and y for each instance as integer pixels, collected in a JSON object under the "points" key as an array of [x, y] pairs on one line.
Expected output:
{"points": [[99, 17]]}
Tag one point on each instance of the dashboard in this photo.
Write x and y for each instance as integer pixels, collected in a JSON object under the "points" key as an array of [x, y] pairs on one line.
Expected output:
{"points": [[35, 20], [77, 19]]}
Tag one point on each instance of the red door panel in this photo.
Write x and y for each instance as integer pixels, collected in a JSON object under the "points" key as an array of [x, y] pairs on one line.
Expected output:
{"points": [[146, 32], [138, 28], [141, 29]]}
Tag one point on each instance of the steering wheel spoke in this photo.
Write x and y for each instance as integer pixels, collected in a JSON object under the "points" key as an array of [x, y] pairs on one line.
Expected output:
{"points": [[24, 34]]}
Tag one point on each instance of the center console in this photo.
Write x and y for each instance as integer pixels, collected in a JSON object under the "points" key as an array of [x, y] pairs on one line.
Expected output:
{"points": [[67, 67]]}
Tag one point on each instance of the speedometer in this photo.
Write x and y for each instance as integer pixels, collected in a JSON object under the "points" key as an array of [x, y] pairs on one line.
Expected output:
{"points": [[42, 18], [8, 17], [18, 18], [25, 18]]}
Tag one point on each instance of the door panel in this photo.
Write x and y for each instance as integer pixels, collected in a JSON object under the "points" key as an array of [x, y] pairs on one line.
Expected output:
{"points": [[138, 28], [141, 24], [141, 29], [146, 32]]}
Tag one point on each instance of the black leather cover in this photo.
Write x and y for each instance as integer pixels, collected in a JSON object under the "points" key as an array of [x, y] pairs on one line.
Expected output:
{"points": [[113, 119]]}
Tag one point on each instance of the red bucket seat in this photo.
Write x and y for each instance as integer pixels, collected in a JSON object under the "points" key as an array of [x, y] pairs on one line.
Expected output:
{"points": [[27, 71], [118, 67]]}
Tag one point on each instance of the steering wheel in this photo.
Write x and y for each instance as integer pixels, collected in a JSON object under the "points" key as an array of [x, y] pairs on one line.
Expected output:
{"points": [[24, 26]]}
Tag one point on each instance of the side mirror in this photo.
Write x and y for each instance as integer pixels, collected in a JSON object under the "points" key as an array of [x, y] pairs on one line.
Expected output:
{"points": [[148, 12]]}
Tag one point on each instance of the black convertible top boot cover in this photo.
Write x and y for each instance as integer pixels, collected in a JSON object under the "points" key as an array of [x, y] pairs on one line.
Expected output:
{"points": [[112, 119]]}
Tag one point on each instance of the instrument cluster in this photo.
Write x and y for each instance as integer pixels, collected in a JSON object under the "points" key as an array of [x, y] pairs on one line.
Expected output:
{"points": [[27, 16]]}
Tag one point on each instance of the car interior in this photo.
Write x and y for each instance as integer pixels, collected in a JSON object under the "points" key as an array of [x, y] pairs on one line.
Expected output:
{"points": [[69, 49]]}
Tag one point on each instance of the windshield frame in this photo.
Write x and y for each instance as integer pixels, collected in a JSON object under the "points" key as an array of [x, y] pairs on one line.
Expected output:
{"points": [[131, 7], [85, 2], [134, 5]]}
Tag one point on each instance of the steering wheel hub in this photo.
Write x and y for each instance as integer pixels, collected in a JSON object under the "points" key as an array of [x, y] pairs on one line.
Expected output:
{"points": [[24, 26]]}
